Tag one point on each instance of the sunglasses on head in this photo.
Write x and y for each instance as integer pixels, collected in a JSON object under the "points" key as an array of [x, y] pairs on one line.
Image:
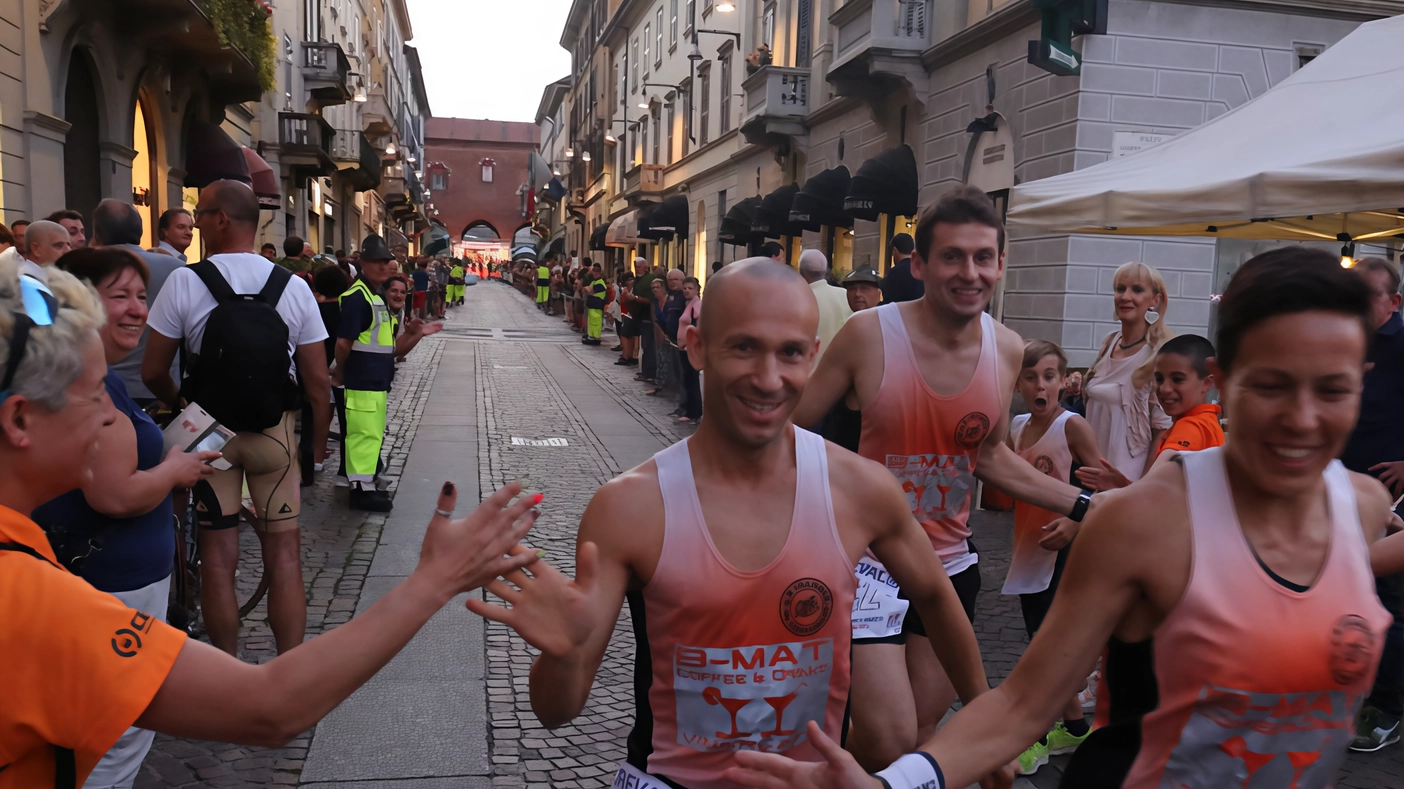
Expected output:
{"points": [[40, 306]]}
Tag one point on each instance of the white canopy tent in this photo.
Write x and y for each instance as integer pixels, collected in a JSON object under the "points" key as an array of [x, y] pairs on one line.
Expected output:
{"points": [[1319, 157]]}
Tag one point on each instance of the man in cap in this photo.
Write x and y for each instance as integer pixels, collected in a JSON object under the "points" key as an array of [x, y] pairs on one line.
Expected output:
{"points": [[864, 288], [366, 347]]}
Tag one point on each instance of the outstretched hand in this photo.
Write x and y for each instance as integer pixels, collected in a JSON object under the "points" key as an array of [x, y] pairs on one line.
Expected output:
{"points": [[467, 553], [548, 610], [839, 770], [1108, 477]]}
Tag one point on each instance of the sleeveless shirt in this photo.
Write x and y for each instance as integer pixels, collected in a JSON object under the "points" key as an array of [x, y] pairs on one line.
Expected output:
{"points": [[1031, 566], [744, 660], [929, 442], [1258, 684]]}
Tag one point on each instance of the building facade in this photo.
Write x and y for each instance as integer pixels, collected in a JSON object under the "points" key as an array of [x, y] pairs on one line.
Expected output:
{"points": [[475, 170], [705, 118]]}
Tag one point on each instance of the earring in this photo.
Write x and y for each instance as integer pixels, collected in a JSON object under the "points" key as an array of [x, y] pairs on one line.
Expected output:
{"points": [[1152, 316]]}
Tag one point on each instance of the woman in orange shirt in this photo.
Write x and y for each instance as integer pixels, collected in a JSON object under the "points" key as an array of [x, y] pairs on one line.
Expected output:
{"points": [[81, 667]]}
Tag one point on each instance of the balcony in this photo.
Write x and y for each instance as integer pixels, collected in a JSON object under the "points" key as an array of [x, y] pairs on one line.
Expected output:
{"points": [[352, 147], [643, 183], [304, 144], [777, 100], [377, 118], [325, 73], [878, 46]]}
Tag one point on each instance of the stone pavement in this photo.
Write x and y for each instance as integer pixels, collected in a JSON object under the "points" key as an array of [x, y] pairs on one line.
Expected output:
{"points": [[453, 710]]}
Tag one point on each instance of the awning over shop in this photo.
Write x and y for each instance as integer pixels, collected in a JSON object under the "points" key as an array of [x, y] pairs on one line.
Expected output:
{"points": [[597, 237], [624, 230], [772, 217], [1294, 163], [664, 220], [210, 155], [264, 180], [736, 225], [820, 201], [885, 184]]}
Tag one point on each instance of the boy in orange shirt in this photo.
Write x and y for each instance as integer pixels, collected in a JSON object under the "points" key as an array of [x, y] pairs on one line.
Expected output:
{"points": [[1182, 381]]}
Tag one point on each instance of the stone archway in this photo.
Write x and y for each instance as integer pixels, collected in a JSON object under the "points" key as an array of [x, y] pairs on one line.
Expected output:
{"points": [[480, 230], [82, 175]]}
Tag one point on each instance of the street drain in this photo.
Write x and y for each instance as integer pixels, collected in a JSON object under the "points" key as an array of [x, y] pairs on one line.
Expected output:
{"points": [[538, 442]]}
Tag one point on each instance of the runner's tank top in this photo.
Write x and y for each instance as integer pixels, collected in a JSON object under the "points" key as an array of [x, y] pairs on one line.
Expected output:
{"points": [[929, 442], [1030, 566], [744, 660], [1259, 685]]}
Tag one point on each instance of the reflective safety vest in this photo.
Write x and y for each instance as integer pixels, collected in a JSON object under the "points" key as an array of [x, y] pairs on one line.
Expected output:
{"points": [[379, 337], [596, 299], [543, 277]]}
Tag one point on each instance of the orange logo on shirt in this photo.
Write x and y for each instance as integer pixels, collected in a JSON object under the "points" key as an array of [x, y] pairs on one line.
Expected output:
{"points": [[126, 642], [1352, 649], [805, 606], [972, 429], [1045, 465]]}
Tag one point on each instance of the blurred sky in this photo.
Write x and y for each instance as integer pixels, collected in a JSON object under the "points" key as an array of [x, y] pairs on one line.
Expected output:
{"points": [[489, 58]]}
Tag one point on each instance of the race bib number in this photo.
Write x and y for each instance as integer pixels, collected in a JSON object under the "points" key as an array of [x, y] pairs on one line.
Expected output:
{"points": [[631, 777], [938, 487], [752, 698], [877, 611]]}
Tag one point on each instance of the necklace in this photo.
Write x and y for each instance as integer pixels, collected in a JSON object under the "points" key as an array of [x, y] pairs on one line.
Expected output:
{"points": [[1132, 345]]}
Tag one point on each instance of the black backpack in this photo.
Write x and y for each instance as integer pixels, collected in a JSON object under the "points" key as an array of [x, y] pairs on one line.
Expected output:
{"points": [[240, 377]]}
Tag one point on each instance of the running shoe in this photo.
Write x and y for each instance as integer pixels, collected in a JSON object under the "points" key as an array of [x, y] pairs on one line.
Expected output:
{"points": [[1032, 759], [1061, 741], [1088, 696], [1374, 729]]}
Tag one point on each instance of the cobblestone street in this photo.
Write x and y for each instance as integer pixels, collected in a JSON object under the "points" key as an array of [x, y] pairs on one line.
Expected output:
{"points": [[502, 371]]}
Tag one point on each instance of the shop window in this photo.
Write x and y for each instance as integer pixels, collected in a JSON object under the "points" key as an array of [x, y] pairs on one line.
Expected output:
{"points": [[438, 182]]}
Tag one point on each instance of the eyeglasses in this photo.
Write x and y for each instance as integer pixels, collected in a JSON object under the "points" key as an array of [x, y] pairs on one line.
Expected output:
{"points": [[40, 306]]}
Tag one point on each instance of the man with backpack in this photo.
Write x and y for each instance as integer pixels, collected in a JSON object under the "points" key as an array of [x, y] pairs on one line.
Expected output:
{"points": [[366, 349], [249, 328]]}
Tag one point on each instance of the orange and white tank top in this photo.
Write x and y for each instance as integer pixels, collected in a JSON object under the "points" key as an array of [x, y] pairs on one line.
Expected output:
{"points": [[929, 442], [744, 660], [1031, 566], [1258, 684]]}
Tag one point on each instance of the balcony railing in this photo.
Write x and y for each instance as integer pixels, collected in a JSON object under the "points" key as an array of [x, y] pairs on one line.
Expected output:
{"points": [[777, 92], [645, 179], [879, 41], [326, 73], [376, 115], [349, 145], [304, 130]]}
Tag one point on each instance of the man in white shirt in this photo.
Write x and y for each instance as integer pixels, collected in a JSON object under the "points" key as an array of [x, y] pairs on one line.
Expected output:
{"points": [[833, 302], [176, 229], [44, 243], [227, 216]]}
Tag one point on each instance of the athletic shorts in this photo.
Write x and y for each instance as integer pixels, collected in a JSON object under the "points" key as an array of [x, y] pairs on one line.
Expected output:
{"points": [[1036, 605], [419, 299], [268, 462], [628, 327], [967, 587]]}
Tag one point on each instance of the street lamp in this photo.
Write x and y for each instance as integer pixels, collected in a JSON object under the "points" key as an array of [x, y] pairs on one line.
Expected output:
{"points": [[390, 149], [584, 156], [726, 6]]}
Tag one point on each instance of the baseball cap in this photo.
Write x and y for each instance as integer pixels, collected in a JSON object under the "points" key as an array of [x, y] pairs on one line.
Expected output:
{"points": [[863, 274]]}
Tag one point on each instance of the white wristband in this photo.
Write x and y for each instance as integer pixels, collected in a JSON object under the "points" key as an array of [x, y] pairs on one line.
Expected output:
{"points": [[913, 771]]}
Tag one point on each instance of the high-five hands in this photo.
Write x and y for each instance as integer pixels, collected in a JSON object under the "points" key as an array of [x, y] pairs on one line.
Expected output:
{"points": [[548, 610], [839, 770], [467, 553]]}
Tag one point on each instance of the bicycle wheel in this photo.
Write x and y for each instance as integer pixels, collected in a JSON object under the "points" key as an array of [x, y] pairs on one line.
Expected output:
{"points": [[261, 589], [183, 608]]}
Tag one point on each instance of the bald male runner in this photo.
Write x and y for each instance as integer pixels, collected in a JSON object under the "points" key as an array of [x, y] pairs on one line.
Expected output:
{"points": [[735, 549], [933, 379]]}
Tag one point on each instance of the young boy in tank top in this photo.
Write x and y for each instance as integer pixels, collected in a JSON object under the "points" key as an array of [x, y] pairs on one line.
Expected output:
{"points": [[1051, 439], [1182, 383]]}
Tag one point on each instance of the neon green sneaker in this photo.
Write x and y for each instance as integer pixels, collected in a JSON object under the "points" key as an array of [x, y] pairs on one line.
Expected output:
{"points": [[1061, 741], [1032, 759]]}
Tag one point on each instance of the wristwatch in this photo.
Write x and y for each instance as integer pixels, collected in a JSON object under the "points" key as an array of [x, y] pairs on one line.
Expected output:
{"points": [[1079, 509]]}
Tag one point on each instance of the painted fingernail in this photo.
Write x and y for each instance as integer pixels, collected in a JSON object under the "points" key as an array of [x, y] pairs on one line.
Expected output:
{"points": [[538, 498], [448, 489], [541, 554]]}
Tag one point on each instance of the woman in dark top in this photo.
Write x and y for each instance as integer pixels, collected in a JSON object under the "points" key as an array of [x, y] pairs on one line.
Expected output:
{"points": [[117, 531], [327, 286]]}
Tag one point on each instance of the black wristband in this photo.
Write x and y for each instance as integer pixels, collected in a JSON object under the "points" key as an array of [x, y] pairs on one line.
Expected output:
{"points": [[1079, 509]]}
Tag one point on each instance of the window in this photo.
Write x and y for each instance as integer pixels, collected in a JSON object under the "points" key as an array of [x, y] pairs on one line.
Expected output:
{"points": [[658, 31], [669, 144], [673, 22], [689, 14], [634, 65], [487, 165], [724, 106], [438, 181], [648, 39], [687, 117], [704, 90], [643, 139], [312, 19], [804, 23], [657, 121], [767, 28]]}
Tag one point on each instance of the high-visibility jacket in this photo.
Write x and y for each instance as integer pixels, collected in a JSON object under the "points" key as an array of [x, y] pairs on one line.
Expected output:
{"points": [[373, 352], [543, 277], [596, 299]]}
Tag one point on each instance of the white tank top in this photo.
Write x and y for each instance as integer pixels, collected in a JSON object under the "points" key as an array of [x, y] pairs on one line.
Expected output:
{"points": [[1030, 566], [743, 660]]}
